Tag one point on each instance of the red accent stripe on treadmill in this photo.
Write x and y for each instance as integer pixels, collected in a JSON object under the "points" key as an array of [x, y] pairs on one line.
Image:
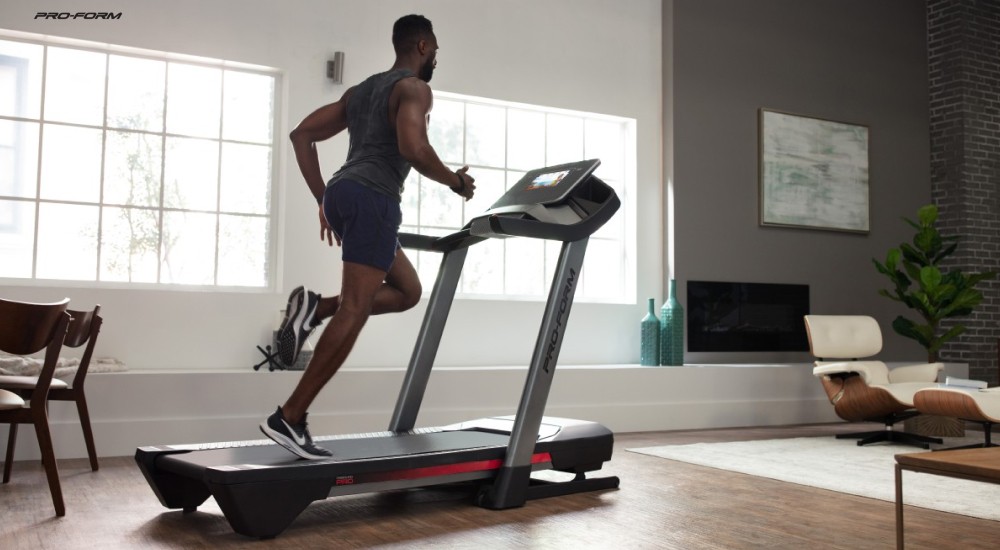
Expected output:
{"points": [[443, 470]]}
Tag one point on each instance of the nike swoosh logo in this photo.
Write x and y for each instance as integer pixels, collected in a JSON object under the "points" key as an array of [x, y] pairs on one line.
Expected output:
{"points": [[309, 317], [300, 439]]}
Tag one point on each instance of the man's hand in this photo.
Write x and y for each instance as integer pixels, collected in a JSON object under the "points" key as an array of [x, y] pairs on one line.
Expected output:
{"points": [[466, 184], [325, 232]]}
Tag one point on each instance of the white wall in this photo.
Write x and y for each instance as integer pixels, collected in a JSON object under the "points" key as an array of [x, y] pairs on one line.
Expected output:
{"points": [[594, 55]]}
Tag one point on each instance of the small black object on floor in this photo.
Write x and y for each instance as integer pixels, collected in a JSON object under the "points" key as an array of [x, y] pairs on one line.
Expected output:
{"points": [[271, 358]]}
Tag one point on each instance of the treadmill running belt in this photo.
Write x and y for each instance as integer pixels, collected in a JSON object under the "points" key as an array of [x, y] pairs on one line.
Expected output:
{"points": [[344, 451]]}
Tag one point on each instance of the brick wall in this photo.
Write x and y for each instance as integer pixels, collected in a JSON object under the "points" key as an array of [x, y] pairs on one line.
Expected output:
{"points": [[964, 70]]}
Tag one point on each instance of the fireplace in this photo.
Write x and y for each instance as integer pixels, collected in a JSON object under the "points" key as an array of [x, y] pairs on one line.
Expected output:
{"points": [[726, 316]]}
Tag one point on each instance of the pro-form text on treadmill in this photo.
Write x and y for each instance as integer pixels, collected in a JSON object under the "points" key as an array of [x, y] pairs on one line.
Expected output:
{"points": [[557, 330], [77, 15]]}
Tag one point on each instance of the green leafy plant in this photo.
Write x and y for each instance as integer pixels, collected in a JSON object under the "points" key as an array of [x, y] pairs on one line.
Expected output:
{"points": [[920, 283]]}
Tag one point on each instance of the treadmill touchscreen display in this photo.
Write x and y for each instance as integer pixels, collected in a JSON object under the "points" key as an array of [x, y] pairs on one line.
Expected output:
{"points": [[548, 180], [546, 186]]}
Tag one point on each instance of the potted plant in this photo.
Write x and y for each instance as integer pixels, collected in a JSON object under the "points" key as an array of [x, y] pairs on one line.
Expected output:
{"points": [[924, 286]]}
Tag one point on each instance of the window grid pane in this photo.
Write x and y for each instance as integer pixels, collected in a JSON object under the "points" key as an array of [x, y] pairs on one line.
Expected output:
{"points": [[67, 242], [190, 174], [194, 100], [130, 243], [239, 237], [21, 79], [74, 86], [152, 170], [186, 256], [248, 107], [17, 238], [135, 93], [18, 158], [71, 163], [132, 168]]}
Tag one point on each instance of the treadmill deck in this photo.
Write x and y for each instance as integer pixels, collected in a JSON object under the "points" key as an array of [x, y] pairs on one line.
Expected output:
{"points": [[265, 460]]}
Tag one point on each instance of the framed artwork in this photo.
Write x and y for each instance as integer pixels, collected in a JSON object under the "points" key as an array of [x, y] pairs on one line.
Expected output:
{"points": [[813, 173]]}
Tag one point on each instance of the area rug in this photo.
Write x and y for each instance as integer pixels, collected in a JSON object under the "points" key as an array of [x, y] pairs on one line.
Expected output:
{"points": [[840, 465]]}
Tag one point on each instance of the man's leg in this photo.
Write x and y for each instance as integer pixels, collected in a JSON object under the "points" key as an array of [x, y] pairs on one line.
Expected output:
{"points": [[307, 310], [402, 288], [360, 285], [363, 291], [287, 425], [400, 292]]}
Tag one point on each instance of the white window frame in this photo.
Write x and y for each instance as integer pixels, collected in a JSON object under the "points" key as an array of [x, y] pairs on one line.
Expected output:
{"points": [[271, 215], [427, 262]]}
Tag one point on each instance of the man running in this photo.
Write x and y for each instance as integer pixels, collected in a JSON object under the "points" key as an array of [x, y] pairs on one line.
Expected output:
{"points": [[386, 118]]}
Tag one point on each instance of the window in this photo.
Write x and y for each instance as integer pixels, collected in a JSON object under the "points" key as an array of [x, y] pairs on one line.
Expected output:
{"points": [[500, 142], [119, 166]]}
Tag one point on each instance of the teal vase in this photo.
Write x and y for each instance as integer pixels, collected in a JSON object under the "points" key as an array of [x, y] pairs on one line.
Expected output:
{"points": [[649, 345], [672, 330]]}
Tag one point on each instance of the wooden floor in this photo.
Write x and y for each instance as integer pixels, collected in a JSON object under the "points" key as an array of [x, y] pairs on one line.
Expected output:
{"points": [[661, 504]]}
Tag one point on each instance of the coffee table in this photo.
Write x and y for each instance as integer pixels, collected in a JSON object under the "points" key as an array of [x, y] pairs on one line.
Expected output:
{"points": [[975, 464]]}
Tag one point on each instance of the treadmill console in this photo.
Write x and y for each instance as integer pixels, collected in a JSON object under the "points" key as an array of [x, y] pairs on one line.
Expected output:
{"points": [[565, 202], [549, 185]]}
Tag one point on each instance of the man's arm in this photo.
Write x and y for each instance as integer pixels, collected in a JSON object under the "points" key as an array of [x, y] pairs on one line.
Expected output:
{"points": [[320, 125], [415, 103]]}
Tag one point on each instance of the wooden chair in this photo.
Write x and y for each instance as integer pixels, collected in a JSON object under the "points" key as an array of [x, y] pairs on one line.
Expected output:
{"points": [[26, 329], [83, 329]]}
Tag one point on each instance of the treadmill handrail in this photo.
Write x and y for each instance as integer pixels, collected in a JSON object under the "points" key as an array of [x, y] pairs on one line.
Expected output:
{"points": [[453, 241], [417, 241], [526, 227]]}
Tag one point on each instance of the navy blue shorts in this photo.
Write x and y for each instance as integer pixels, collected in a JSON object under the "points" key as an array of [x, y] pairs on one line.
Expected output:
{"points": [[366, 221]]}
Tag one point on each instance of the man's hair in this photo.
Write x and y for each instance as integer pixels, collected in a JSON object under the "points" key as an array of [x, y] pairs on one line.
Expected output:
{"points": [[408, 30]]}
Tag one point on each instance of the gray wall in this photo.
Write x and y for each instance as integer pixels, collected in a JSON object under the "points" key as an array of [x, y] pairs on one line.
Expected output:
{"points": [[848, 60]]}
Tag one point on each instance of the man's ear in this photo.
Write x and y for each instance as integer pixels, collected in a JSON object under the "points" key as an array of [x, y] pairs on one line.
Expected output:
{"points": [[422, 46]]}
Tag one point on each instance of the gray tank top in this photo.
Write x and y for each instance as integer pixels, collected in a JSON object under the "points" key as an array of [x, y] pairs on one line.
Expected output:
{"points": [[373, 158]]}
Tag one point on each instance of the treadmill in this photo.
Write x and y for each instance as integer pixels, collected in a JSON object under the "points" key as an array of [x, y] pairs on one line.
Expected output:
{"points": [[261, 488]]}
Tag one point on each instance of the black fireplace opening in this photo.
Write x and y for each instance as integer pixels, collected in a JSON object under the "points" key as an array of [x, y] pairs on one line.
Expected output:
{"points": [[746, 316]]}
